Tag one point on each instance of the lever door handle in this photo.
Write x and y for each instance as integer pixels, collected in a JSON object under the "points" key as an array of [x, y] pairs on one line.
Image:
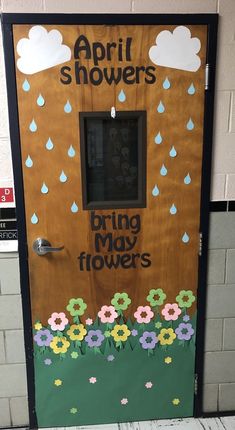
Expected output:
{"points": [[42, 247]]}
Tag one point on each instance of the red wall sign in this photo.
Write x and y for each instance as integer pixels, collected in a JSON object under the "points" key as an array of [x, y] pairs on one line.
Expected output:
{"points": [[6, 195]]}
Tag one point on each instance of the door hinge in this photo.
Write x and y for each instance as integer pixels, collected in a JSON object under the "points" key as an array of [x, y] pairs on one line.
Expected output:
{"points": [[207, 76], [200, 244], [195, 384]]}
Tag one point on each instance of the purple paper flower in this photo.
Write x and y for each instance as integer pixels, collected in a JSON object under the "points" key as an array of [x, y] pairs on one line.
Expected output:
{"points": [[186, 318], [184, 331], [47, 361], [94, 338], [134, 332], [110, 357], [43, 337], [148, 340]]}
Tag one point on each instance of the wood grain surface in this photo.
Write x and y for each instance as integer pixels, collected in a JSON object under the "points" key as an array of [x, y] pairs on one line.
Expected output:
{"points": [[56, 278]]}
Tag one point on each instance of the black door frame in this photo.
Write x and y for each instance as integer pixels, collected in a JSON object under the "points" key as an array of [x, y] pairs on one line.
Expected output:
{"points": [[211, 20]]}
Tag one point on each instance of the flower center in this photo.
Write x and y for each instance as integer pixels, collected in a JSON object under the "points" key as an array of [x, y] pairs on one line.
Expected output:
{"points": [[166, 336], [58, 321], [185, 298], [184, 331], [148, 339], [120, 332], [59, 344], [76, 307], [156, 297], [107, 314], [94, 337], [120, 301], [76, 331], [143, 314], [43, 337], [171, 311]]}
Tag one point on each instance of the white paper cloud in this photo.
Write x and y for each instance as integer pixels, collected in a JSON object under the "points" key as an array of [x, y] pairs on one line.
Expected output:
{"points": [[41, 50], [177, 50]]}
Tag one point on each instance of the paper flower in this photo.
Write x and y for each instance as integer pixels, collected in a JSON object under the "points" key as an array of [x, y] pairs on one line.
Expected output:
{"points": [[176, 402], [107, 314], [166, 336], [134, 332], [149, 384], [143, 314], [59, 345], [185, 299], [89, 321], [110, 357], [58, 321], [121, 301], [47, 361], [158, 324], [94, 338], [124, 401], [76, 307], [168, 360], [186, 318], [171, 311], [120, 333], [184, 331], [156, 297], [77, 332], [58, 382], [73, 410], [43, 337], [148, 340], [92, 380], [38, 326], [74, 354], [107, 333]]}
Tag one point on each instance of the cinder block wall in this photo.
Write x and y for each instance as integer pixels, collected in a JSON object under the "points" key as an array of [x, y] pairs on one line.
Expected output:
{"points": [[220, 334]]}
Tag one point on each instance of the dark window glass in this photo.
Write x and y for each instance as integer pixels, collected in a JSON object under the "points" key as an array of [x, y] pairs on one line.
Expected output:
{"points": [[112, 161]]}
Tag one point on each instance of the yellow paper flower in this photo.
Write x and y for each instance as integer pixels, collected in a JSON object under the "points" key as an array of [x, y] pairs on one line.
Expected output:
{"points": [[77, 332], [168, 360], [176, 402], [120, 333], [57, 382], [166, 336], [59, 345], [37, 326]]}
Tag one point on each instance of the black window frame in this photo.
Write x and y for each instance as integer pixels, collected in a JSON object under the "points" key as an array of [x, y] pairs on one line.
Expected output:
{"points": [[140, 202]]}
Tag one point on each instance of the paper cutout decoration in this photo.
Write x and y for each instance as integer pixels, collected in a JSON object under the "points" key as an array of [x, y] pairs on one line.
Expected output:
{"points": [[44, 189], [173, 152], [185, 238], [187, 179], [71, 151], [29, 162], [166, 84], [190, 124], [26, 85], [173, 209], [177, 50], [155, 191], [33, 126], [67, 107], [63, 177], [191, 90], [74, 208], [40, 100], [161, 107], [34, 219], [158, 138], [122, 96], [49, 145], [163, 170], [41, 50]]}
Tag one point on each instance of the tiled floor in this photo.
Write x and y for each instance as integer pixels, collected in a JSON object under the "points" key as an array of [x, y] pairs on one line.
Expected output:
{"points": [[223, 423]]}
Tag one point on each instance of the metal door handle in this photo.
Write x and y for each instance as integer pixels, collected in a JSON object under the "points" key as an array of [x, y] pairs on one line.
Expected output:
{"points": [[42, 247]]}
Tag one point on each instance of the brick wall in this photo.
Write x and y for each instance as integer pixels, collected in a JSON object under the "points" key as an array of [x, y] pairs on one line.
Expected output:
{"points": [[220, 334]]}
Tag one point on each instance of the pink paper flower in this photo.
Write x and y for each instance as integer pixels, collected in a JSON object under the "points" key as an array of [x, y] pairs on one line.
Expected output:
{"points": [[58, 321], [107, 314], [149, 384], [143, 314], [89, 321], [124, 401], [171, 311], [92, 380]]}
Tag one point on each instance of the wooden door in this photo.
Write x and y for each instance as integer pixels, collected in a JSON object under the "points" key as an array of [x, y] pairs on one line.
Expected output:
{"points": [[111, 138]]}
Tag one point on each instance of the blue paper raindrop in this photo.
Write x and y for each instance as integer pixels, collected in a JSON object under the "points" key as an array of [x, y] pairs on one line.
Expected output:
{"points": [[67, 107], [173, 209], [44, 189], [40, 100], [34, 219], [191, 90], [190, 124], [26, 85], [173, 152], [71, 151], [163, 170], [29, 162], [49, 144], [33, 126], [74, 208], [63, 177], [161, 107], [158, 138], [185, 238], [122, 96], [155, 191], [166, 84], [187, 179]]}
